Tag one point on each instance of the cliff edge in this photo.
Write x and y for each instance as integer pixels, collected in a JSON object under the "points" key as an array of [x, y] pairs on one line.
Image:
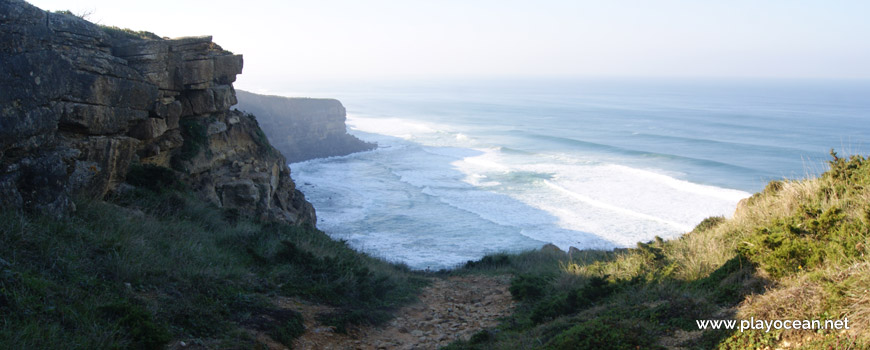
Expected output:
{"points": [[303, 128], [81, 103]]}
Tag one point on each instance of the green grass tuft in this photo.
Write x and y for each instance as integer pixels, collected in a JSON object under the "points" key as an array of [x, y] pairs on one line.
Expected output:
{"points": [[154, 265], [195, 136]]}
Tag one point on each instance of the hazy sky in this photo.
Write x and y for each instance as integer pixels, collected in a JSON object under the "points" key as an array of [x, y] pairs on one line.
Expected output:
{"points": [[295, 41]]}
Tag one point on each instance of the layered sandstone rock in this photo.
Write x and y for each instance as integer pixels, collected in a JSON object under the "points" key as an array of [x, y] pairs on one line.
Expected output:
{"points": [[80, 103], [303, 128]]}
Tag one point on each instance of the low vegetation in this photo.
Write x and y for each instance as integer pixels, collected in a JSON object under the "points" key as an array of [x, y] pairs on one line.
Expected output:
{"points": [[113, 31], [195, 137], [127, 33], [797, 250], [154, 265]]}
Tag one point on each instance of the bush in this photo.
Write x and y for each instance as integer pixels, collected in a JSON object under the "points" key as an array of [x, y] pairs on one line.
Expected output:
{"points": [[481, 337], [263, 142], [489, 261], [144, 332], [723, 282], [804, 240], [709, 223], [529, 287], [289, 329], [573, 301], [344, 280], [195, 136]]}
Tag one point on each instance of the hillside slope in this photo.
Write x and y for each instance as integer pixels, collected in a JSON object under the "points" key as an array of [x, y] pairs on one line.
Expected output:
{"points": [[796, 251], [157, 267], [138, 211]]}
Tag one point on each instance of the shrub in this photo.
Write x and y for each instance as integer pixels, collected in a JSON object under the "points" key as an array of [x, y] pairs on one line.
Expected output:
{"points": [[573, 301], [529, 287], [263, 142], [344, 280], [709, 223], [144, 332], [195, 136], [481, 337], [723, 282], [489, 261], [289, 329], [803, 240]]}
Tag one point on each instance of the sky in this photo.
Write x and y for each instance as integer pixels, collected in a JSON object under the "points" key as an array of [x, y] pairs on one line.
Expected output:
{"points": [[287, 42]]}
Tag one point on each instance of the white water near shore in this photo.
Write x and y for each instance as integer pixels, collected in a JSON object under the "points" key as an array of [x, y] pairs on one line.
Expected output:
{"points": [[434, 198], [450, 186]]}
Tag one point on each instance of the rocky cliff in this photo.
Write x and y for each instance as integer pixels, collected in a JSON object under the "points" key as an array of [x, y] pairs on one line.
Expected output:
{"points": [[80, 103], [303, 128]]}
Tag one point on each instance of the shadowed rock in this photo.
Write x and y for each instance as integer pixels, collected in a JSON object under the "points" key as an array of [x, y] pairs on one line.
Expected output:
{"points": [[80, 103]]}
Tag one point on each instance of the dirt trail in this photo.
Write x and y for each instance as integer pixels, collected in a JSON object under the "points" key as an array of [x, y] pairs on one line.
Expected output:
{"points": [[449, 309]]}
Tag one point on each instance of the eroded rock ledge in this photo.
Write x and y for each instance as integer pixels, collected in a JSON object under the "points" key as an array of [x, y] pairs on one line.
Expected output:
{"points": [[80, 103]]}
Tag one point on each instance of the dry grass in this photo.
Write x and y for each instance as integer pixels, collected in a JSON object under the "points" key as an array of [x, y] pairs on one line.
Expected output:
{"points": [[809, 297], [701, 252], [805, 299], [836, 287], [624, 266], [856, 297]]}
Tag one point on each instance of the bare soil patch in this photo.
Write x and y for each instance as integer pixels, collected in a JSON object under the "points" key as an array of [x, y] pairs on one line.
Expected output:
{"points": [[449, 309]]}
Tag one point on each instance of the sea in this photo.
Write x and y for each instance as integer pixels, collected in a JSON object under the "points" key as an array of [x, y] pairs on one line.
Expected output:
{"points": [[466, 168]]}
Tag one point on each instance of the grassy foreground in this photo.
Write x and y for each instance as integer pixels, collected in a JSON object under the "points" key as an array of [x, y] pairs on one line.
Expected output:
{"points": [[796, 251], [156, 265]]}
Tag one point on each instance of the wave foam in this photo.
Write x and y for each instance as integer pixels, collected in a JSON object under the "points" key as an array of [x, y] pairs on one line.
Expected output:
{"points": [[431, 196], [623, 211]]}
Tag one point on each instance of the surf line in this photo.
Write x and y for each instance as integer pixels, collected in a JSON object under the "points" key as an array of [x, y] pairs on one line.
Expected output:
{"points": [[602, 205]]}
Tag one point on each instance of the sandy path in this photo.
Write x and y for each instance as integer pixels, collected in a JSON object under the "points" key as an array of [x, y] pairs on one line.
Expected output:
{"points": [[450, 308]]}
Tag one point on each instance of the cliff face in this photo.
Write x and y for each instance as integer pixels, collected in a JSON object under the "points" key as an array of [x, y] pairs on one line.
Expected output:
{"points": [[80, 103], [303, 128]]}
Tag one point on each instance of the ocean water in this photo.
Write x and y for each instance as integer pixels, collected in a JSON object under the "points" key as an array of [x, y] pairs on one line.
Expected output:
{"points": [[467, 168]]}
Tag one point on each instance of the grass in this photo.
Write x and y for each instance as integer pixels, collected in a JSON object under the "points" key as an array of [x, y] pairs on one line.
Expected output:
{"points": [[797, 250], [156, 264], [128, 33], [113, 31]]}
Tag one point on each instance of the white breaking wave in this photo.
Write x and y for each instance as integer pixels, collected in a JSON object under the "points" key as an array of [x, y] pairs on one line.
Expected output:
{"points": [[432, 196], [619, 210], [629, 204]]}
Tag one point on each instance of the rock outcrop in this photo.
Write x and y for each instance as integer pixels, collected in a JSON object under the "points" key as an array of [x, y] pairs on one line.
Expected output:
{"points": [[80, 103], [303, 128]]}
